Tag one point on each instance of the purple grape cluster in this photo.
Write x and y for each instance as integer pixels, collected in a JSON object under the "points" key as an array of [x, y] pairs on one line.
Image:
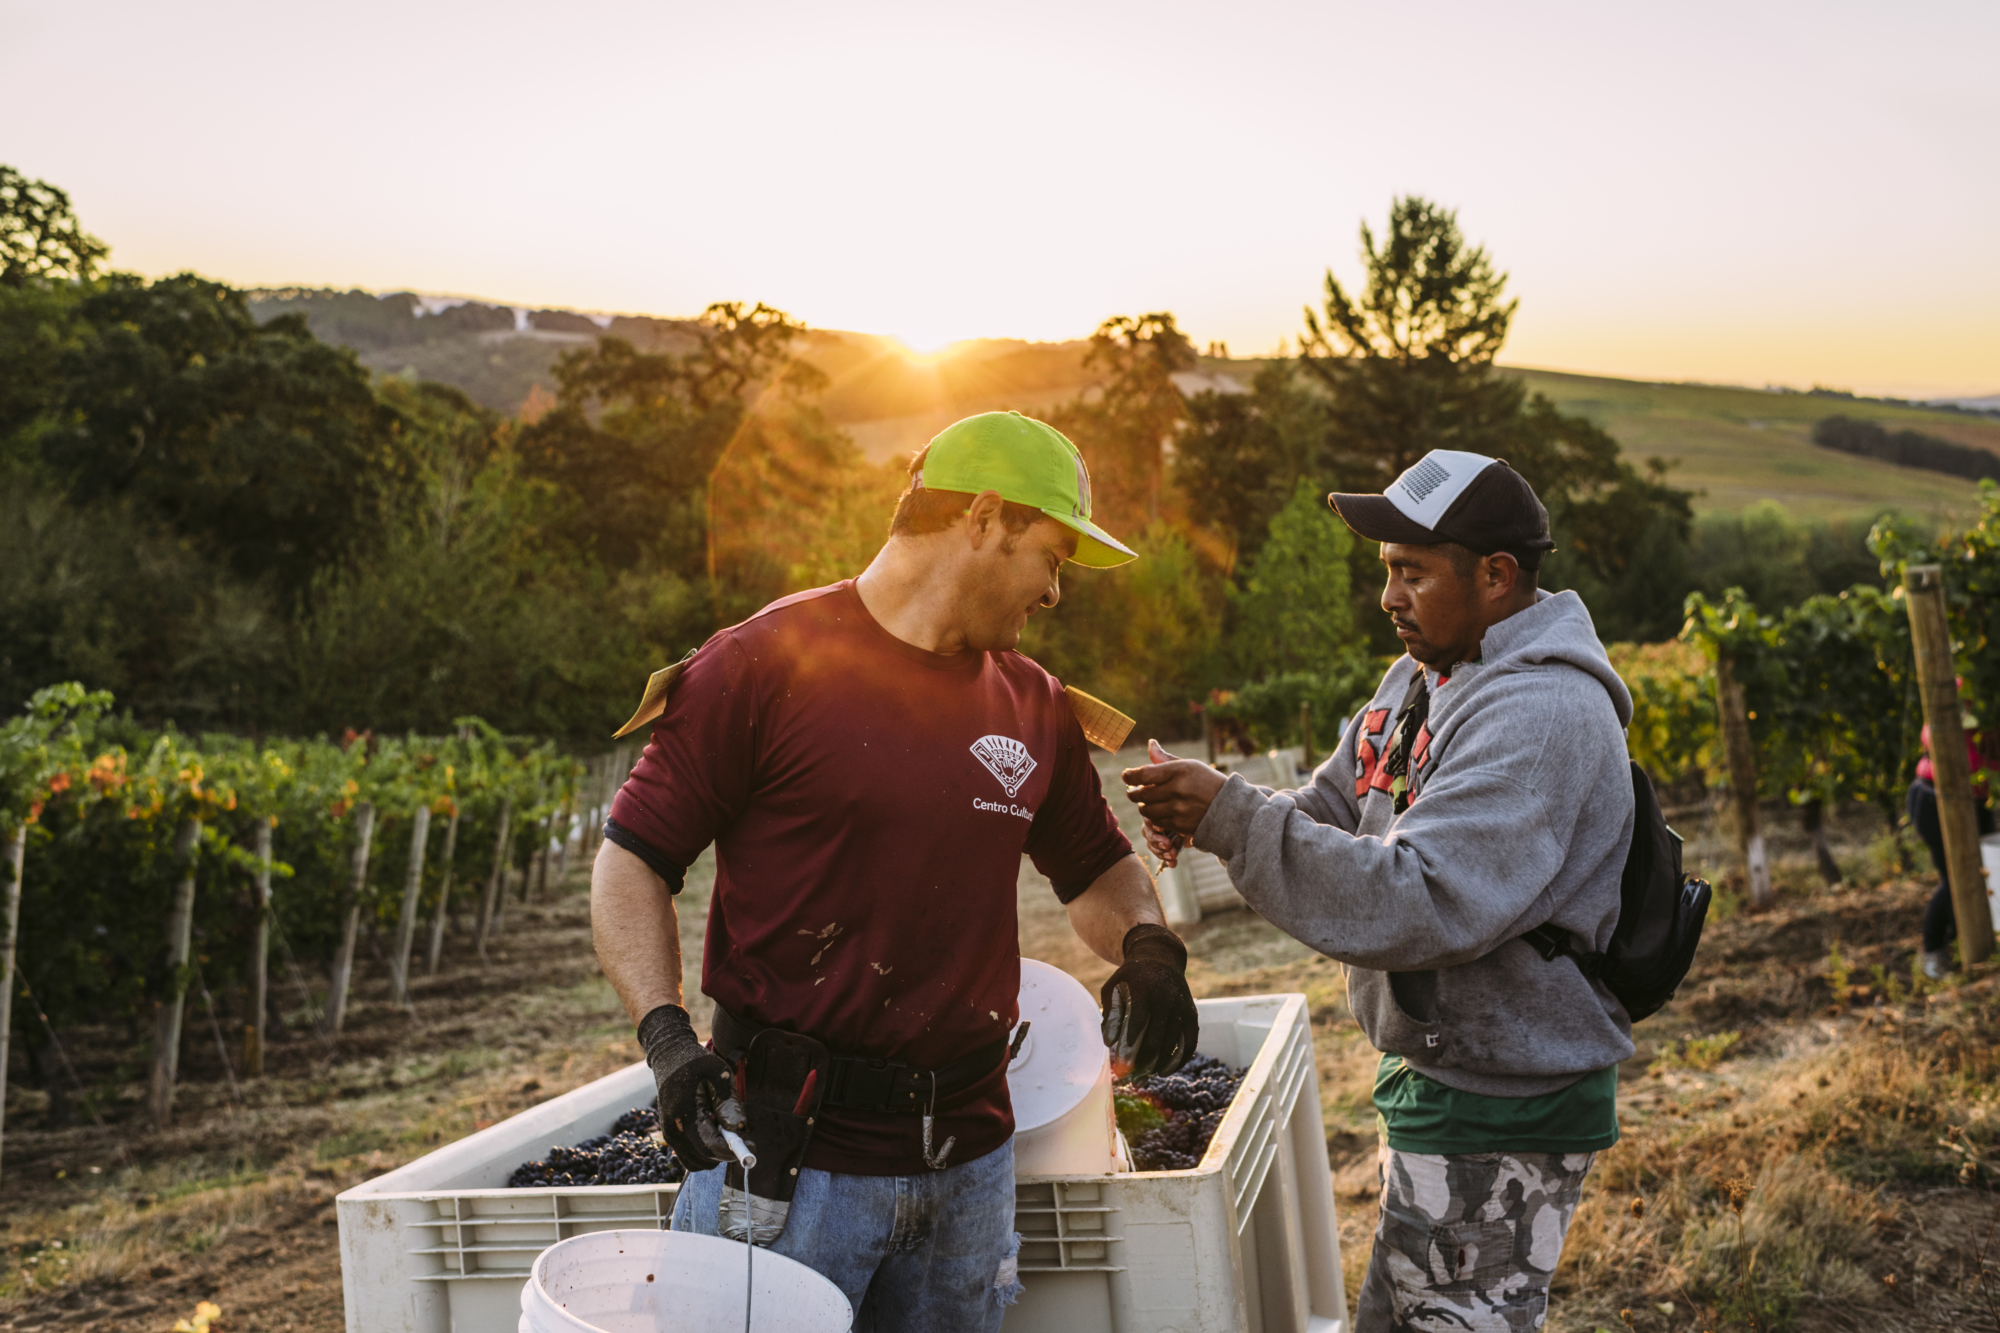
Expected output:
{"points": [[1194, 1099], [625, 1156]]}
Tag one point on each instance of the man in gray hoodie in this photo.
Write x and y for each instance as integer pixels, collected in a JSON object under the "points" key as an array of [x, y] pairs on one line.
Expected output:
{"points": [[1483, 792]]}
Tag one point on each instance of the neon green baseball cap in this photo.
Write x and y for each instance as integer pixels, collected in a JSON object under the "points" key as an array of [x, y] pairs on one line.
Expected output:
{"points": [[1026, 461]]}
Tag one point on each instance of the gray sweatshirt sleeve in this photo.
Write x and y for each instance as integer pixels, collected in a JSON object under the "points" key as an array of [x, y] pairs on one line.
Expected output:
{"points": [[1329, 798], [1465, 867]]}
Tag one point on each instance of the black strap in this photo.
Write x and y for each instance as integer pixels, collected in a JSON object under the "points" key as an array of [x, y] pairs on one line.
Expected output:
{"points": [[1415, 713], [862, 1084], [1553, 943]]}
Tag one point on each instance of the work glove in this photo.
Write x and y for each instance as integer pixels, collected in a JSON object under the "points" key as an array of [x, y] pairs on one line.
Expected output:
{"points": [[1150, 1022], [694, 1083]]}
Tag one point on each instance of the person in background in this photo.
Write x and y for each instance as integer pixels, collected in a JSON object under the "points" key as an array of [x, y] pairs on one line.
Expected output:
{"points": [[1940, 922]]}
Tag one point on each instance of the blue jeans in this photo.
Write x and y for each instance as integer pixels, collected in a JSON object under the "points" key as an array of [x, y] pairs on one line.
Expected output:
{"points": [[911, 1253]]}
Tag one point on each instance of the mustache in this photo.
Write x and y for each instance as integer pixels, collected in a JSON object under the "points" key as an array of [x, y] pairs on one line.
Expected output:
{"points": [[1401, 623]]}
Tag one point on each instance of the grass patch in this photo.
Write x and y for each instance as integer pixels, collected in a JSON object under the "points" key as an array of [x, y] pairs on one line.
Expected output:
{"points": [[1698, 1053], [1756, 1192], [147, 1223]]}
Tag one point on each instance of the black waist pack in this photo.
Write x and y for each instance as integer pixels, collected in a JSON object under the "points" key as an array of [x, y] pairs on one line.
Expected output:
{"points": [[1660, 913]]}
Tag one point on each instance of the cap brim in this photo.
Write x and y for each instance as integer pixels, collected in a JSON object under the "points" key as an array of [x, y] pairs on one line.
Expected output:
{"points": [[1095, 548], [1377, 518]]}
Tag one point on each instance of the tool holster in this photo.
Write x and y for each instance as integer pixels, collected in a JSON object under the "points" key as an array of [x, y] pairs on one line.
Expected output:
{"points": [[783, 1080]]}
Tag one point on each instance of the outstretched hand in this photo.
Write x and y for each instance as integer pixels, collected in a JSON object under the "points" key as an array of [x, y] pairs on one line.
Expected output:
{"points": [[1173, 795]]}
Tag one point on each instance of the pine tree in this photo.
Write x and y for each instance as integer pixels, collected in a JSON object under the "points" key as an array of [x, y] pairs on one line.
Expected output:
{"points": [[1409, 360], [1295, 593]]}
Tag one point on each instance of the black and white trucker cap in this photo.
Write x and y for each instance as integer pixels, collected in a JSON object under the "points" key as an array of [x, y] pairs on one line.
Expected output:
{"points": [[1449, 496]]}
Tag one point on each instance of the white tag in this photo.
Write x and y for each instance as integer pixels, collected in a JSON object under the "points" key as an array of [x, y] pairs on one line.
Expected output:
{"points": [[1431, 483]]}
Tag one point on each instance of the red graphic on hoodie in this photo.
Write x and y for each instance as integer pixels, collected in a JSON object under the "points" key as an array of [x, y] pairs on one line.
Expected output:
{"points": [[1370, 752]]}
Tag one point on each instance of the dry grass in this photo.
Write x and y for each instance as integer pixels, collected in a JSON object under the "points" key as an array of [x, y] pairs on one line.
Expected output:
{"points": [[1794, 1185], [152, 1218]]}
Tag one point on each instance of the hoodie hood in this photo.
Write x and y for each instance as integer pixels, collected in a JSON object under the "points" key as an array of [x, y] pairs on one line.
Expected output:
{"points": [[1556, 631]]}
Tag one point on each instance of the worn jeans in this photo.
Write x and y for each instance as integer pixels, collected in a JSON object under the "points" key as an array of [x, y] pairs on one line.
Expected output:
{"points": [[911, 1253], [1467, 1243]]}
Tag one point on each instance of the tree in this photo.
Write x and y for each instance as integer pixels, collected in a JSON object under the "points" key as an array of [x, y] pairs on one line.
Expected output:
{"points": [[1242, 455], [258, 444], [40, 238], [1409, 361], [1407, 366], [1293, 609], [1123, 427], [635, 437], [1145, 637]]}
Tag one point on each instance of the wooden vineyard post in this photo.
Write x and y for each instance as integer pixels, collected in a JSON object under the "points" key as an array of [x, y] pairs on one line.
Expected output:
{"points": [[1937, 679], [1742, 761], [167, 1023], [10, 921], [1306, 733], [489, 906], [260, 955], [413, 894], [343, 958], [444, 892]]}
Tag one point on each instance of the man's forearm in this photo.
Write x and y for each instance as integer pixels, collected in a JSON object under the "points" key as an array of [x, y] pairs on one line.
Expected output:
{"points": [[1117, 900], [635, 930]]}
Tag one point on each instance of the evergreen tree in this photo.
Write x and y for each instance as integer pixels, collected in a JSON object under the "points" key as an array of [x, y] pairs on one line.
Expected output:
{"points": [[1294, 604], [1409, 361], [1243, 454]]}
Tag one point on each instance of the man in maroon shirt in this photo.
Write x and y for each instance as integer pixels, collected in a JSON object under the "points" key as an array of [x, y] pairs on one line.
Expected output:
{"points": [[871, 760]]}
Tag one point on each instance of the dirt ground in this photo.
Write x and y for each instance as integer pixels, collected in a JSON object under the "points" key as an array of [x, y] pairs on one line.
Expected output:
{"points": [[124, 1228]]}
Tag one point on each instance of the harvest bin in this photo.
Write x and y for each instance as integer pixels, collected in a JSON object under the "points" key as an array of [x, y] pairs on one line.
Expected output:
{"points": [[1245, 1240]]}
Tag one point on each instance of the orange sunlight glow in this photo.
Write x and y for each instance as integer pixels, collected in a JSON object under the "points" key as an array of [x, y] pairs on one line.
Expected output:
{"points": [[929, 347]]}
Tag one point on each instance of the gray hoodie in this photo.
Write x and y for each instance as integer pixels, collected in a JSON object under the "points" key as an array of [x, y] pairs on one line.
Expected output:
{"points": [[1521, 814]]}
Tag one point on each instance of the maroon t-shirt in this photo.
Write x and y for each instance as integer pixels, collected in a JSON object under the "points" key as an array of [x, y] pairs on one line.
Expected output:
{"points": [[869, 804]]}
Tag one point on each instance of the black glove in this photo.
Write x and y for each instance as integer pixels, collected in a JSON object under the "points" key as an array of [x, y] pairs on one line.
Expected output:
{"points": [[1150, 1022], [694, 1083]]}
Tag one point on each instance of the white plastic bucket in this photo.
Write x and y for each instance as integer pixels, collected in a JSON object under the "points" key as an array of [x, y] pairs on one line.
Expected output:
{"points": [[1060, 1083], [1989, 860], [651, 1281]]}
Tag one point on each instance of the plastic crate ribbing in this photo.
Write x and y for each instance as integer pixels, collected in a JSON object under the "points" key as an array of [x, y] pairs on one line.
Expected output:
{"points": [[1245, 1240]]}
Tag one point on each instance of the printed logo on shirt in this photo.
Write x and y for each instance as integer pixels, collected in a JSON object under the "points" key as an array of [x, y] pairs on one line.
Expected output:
{"points": [[1006, 759], [1002, 808]]}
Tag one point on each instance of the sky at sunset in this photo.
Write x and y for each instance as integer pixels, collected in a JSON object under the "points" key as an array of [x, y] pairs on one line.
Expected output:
{"points": [[1748, 193]]}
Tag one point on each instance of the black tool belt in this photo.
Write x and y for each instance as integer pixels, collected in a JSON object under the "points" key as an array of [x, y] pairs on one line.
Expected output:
{"points": [[861, 1084]]}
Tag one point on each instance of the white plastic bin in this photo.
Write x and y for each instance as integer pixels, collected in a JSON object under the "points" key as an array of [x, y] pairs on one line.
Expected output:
{"points": [[1989, 859], [1246, 1240]]}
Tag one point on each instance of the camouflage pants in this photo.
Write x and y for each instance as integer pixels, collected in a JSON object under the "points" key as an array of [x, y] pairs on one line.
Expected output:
{"points": [[1467, 1243]]}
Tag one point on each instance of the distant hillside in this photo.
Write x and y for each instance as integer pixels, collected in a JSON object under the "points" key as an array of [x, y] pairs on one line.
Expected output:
{"points": [[1738, 446], [1732, 446]]}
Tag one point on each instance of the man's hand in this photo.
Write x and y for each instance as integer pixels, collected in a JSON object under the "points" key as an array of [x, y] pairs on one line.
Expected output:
{"points": [[1150, 1022], [1173, 794], [693, 1084]]}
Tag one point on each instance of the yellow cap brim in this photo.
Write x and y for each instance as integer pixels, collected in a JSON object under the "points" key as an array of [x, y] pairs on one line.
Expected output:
{"points": [[1095, 548]]}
